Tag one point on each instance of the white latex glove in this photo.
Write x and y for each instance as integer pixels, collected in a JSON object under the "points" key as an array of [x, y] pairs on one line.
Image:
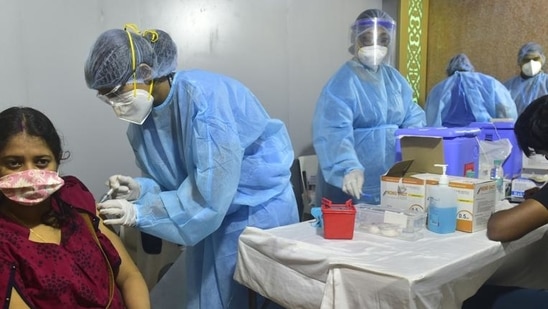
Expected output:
{"points": [[118, 212], [352, 183], [124, 187]]}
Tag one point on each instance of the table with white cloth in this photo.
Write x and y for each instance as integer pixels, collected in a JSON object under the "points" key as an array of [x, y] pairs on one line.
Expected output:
{"points": [[296, 267]]}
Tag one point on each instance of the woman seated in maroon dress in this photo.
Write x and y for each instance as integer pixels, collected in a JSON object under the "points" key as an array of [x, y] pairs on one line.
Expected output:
{"points": [[55, 251]]}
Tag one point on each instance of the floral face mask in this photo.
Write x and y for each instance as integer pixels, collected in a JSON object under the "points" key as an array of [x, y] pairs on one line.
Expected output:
{"points": [[30, 187]]}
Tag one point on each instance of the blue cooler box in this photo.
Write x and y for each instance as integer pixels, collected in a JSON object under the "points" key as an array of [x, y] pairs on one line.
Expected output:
{"points": [[460, 148], [492, 131]]}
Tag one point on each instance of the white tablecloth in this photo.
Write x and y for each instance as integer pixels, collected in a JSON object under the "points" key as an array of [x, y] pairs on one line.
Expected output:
{"points": [[297, 268]]}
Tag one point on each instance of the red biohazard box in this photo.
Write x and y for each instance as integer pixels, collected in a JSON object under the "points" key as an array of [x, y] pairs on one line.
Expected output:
{"points": [[338, 219]]}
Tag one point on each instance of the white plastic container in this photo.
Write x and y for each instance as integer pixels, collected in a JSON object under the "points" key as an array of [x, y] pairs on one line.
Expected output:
{"points": [[442, 207]]}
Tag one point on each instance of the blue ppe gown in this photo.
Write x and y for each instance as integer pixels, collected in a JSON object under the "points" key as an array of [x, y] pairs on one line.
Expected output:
{"points": [[526, 90], [213, 163], [467, 97], [353, 127]]}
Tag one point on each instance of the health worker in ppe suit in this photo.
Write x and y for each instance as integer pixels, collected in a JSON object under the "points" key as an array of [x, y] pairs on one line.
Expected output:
{"points": [[466, 96], [213, 161], [532, 82], [357, 113]]}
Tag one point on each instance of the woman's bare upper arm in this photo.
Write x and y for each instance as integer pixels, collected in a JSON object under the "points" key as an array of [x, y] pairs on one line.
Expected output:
{"points": [[513, 223]]}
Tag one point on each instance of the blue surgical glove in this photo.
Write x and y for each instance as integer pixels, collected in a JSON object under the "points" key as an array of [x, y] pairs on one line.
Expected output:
{"points": [[124, 187], [316, 212], [118, 212], [353, 183]]}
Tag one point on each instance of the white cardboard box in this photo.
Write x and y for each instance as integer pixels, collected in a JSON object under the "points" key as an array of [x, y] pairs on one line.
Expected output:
{"points": [[405, 193], [475, 200]]}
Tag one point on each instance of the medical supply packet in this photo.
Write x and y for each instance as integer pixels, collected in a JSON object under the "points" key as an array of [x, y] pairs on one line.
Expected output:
{"points": [[390, 222], [518, 188]]}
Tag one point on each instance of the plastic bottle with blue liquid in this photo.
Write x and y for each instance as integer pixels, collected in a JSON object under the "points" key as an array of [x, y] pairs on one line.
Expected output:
{"points": [[442, 207]]}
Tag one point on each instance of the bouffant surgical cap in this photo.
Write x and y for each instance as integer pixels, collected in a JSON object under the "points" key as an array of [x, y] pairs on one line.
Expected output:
{"points": [[165, 50], [459, 63], [110, 62]]}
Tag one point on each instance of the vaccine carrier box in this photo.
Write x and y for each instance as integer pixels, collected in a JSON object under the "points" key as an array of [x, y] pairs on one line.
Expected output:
{"points": [[458, 147], [498, 129], [475, 199]]}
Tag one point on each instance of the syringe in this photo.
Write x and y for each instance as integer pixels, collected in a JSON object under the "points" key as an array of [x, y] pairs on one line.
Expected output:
{"points": [[106, 196]]}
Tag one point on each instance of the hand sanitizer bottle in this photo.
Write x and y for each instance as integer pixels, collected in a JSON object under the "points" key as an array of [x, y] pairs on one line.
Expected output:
{"points": [[442, 207]]}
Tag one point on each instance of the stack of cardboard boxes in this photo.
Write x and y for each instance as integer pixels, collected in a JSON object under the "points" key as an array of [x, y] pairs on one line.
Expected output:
{"points": [[406, 185]]}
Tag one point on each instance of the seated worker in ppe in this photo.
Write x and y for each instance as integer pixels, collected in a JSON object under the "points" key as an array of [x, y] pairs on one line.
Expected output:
{"points": [[357, 113], [213, 161], [532, 82], [55, 251], [531, 129], [466, 96]]}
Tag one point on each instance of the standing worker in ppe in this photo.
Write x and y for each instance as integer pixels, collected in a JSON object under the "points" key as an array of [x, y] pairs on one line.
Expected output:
{"points": [[466, 96], [357, 113], [532, 82], [213, 161]]}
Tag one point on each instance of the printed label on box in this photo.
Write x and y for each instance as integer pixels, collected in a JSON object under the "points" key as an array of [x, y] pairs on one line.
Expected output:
{"points": [[403, 193]]}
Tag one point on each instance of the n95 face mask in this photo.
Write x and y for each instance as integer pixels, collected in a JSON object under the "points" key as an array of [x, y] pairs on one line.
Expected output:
{"points": [[372, 55], [531, 68], [30, 187], [135, 106]]}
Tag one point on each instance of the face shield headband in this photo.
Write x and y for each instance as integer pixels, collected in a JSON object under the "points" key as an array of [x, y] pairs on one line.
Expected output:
{"points": [[373, 31]]}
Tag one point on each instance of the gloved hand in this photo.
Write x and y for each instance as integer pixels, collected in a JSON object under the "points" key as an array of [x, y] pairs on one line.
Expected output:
{"points": [[352, 183], [121, 211], [124, 187]]}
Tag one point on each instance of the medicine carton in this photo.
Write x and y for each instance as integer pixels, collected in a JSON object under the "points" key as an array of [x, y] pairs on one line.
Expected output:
{"points": [[402, 191], [475, 200], [518, 188]]}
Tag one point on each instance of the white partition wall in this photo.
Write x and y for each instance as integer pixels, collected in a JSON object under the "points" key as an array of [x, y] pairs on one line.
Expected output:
{"points": [[284, 50]]}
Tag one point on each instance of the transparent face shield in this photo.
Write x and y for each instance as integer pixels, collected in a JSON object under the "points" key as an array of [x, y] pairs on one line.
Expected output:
{"points": [[376, 36]]}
